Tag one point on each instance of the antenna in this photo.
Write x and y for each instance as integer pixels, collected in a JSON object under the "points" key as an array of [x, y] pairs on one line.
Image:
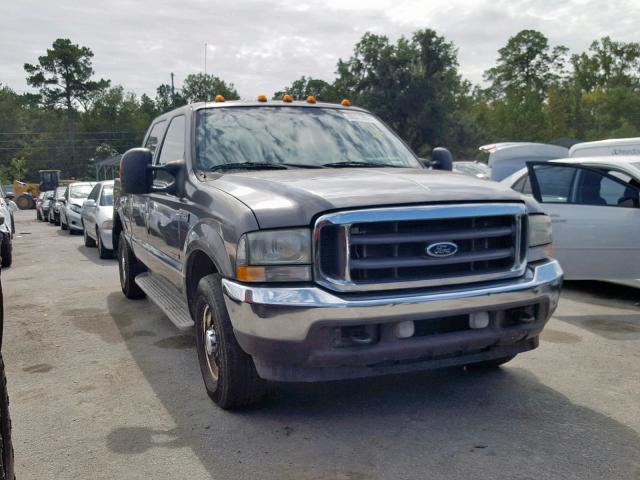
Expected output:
{"points": [[204, 111]]}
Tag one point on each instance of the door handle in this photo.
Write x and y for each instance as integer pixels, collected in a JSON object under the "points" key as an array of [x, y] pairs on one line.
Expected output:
{"points": [[555, 218]]}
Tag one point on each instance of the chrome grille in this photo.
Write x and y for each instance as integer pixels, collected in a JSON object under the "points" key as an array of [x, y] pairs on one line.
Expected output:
{"points": [[387, 248]]}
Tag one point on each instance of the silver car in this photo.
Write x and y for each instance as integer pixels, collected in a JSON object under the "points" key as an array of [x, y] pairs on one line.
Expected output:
{"points": [[71, 211], [97, 218]]}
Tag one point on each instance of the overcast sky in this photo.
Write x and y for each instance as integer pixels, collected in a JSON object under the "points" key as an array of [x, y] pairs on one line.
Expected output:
{"points": [[262, 46]]}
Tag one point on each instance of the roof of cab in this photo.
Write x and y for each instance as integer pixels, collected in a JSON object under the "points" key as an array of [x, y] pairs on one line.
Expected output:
{"points": [[255, 103]]}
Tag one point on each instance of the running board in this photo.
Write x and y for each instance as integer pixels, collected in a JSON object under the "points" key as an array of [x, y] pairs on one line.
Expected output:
{"points": [[167, 298]]}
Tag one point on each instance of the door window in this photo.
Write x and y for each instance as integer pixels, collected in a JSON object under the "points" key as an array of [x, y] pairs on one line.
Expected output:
{"points": [[94, 193], [153, 139], [172, 148], [554, 182]]}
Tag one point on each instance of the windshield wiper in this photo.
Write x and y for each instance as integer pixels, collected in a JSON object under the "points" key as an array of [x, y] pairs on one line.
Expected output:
{"points": [[249, 166], [350, 164]]}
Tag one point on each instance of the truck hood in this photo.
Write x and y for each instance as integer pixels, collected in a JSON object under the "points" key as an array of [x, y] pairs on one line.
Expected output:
{"points": [[283, 198]]}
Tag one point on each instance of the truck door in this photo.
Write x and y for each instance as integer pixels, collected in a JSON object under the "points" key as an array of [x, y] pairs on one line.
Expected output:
{"points": [[137, 204], [595, 218], [165, 209]]}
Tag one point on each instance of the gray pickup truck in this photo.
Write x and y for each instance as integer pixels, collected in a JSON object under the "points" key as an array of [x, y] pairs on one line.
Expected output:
{"points": [[306, 242]]}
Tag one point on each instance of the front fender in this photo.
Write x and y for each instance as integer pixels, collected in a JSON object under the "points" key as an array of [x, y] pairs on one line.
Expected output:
{"points": [[205, 236]]}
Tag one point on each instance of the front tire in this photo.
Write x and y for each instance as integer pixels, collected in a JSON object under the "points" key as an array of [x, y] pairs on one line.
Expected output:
{"points": [[6, 445], [63, 226], [6, 251], [88, 241], [229, 374], [103, 252], [129, 267]]}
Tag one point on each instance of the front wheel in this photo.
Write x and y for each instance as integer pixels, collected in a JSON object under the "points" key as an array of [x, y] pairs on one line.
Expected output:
{"points": [[6, 251], [88, 241], [103, 251], [129, 267], [229, 374], [6, 446], [63, 226]]}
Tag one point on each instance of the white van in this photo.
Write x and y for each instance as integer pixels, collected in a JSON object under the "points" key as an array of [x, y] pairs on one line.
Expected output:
{"points": [[605, 148], [509, 157]]}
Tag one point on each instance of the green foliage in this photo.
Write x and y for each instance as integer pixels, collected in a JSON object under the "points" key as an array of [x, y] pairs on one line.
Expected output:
{"points": [[413, 85], [306, 86], [16, 170], [203, 87], [63, 76]]}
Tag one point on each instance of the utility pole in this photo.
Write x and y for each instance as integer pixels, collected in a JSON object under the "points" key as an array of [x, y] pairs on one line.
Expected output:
{"points": [[173, 92]]}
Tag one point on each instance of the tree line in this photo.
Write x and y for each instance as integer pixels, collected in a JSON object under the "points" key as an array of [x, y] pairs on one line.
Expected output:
{"points": [[535, 92]]}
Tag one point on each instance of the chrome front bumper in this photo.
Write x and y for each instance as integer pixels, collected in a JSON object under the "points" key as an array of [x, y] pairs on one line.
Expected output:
{"points": [[288, 313]]}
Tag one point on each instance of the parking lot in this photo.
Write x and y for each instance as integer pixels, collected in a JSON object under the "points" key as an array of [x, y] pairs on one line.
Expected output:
{"points": [[104, 387]]}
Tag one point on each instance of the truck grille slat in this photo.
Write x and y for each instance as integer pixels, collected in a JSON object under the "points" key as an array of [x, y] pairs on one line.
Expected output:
{"points": [[390, 248], [429, 237], [393, 262]]}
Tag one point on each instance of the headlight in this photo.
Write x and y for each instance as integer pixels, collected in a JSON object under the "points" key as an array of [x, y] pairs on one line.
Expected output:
{"points": [[539, 230], [75, 208], [540, 246], [276, 255], [107, 225]]}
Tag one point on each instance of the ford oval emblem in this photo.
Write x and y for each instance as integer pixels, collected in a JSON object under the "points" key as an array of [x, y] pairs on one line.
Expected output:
{"points": [[442, 249]]}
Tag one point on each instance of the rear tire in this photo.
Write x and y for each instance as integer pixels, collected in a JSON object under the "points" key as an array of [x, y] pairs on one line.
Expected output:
{"points": [[25, 201], [229, 374], [88, 241], [129, 268], [103, 252], [38, 216], [6, 251], [490, 364]]}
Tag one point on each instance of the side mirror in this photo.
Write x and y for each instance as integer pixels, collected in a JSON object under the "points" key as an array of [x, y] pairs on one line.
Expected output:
{"points": [[50, 198], [135, 174], [89, 203], [176, 170], [441, 159]]}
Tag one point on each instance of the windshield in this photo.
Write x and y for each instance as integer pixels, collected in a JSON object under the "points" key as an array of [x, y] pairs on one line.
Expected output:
{"points": [[106, 199], [80, 191], [295, 136], [60, 192]]}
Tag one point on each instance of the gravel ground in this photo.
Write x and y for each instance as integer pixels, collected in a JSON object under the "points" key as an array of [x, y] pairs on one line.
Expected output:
{"points": [[103, 388]]}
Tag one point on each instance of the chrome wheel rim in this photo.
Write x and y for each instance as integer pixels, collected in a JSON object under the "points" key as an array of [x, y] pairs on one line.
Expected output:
{"points": [[210, 341]]}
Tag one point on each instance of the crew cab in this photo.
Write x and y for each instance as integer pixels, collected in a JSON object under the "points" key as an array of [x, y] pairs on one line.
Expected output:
{"points": [[305, 241]]}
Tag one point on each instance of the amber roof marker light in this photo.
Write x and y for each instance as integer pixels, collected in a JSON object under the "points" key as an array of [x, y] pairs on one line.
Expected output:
{"points": [[311, 99], [345, 102], [219, 98], [287, 98], [262, 98]]}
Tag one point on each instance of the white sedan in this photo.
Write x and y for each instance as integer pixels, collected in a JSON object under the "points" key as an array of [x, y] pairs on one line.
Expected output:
{"points": [[97, 218], [594, 205]]}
